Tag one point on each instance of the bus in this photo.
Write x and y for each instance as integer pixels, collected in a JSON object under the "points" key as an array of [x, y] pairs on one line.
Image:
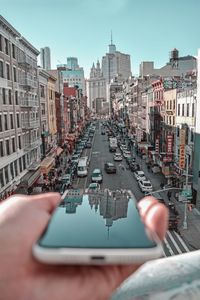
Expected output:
{"points": [[82, 169]]}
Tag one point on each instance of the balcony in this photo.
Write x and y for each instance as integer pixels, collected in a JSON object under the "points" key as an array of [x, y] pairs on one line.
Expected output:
{"points": [[32, 145], [28, 102], [30, 124], [26, 61], [28, 82]]}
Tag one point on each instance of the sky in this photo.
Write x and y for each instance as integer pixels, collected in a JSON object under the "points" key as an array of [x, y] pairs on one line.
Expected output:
{"points": [[146, 29]]}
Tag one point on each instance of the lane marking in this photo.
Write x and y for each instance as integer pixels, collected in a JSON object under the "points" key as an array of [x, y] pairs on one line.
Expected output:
{"points": [[174, 242], [168, 247], [182, 242]]}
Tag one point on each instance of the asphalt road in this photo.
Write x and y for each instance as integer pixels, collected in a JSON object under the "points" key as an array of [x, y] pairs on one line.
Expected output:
{"points": [[99, 154]]}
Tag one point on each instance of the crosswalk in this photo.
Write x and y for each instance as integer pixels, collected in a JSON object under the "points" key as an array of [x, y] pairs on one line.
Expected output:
{"points": [[173, 244]]}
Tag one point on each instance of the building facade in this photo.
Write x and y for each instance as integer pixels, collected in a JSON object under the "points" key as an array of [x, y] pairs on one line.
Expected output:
{"points": [[19, 110]]}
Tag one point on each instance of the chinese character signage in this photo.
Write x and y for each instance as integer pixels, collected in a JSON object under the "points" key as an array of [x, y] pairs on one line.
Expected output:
{"points": [[182, 149], [157, 146], [169, 144]]}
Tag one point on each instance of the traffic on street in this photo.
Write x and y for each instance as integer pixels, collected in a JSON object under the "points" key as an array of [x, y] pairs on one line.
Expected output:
{"points": [[102, 167]]}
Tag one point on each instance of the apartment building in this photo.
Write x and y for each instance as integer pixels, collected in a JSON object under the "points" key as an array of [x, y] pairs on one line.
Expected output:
{"points": [[19, 110]]}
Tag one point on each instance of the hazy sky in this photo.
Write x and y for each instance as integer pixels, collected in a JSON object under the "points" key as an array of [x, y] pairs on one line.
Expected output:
{"points": [[145, 29]]}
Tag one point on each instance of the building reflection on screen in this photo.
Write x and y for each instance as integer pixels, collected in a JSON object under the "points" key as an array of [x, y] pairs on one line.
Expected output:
{"points": [[112, 205]]}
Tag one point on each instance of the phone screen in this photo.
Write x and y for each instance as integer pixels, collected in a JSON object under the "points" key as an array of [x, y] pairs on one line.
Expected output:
{"points": [[103, 219]]}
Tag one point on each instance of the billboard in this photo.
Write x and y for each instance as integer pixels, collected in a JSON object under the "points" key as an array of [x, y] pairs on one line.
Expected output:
{"points": [[182, 149]]}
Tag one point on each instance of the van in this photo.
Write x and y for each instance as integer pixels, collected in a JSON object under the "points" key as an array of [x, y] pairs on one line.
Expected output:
{"points": [[82, 169]]}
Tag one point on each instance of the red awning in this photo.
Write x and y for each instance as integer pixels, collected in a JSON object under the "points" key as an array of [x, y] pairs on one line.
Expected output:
{"points": [[59, 150], [70, 137]]}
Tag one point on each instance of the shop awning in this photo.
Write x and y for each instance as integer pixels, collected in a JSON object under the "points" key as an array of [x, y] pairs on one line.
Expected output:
{"points": [[29, 178], [59, 150], [144, 145], [70, 137], [46, 164]]}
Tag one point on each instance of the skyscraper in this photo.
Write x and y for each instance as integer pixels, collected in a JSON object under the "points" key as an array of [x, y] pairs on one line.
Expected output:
{"points": [[115, 64], [45, 58]]}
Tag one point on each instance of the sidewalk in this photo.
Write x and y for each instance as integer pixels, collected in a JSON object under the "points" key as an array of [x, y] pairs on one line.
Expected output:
{"points": [[191, 235]]}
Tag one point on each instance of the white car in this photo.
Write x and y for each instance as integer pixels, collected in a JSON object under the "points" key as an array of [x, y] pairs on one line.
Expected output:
{"points": [[139, 175], [126, 153], [97, 176], [145, 185], [93, 187], [117, 157]]}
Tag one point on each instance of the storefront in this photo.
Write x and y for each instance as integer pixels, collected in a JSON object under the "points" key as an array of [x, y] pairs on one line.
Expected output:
{"points": [[70, 142], [47, 164]]}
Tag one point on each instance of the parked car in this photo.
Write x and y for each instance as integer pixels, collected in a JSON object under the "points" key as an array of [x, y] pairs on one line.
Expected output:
{"points": [[155, 168], [139, 175], [134, 167], [93, 187], [145, 185], [110, 168], [117, 156], [88, 145], [97, 176], [75, 158]]}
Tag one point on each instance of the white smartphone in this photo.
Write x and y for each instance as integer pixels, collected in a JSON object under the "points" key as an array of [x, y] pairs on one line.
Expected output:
{"points": [[102, 227]]}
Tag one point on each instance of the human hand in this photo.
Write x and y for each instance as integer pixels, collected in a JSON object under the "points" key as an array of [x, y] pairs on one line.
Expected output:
{"points": [[22, 220]]}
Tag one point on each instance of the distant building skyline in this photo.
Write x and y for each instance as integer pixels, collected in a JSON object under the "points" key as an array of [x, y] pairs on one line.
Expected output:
{"points": [[45, 58]]}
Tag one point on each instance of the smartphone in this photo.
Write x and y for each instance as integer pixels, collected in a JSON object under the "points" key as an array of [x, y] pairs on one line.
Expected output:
{"points": [[100, 227]]}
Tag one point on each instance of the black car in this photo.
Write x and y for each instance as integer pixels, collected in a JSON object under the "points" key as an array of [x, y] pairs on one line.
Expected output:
{"points": [[110, 168], [88, 145]]}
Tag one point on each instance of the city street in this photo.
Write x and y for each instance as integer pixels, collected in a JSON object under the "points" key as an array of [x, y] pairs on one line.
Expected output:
{"points": [[124, 179]]}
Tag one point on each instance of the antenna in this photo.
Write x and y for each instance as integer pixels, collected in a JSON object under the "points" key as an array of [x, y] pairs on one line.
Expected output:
{"points": [[111, 38]]}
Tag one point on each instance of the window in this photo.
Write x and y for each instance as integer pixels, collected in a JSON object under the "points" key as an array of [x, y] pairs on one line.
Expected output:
{"points": [[1, 178], [16, 98], [24, 162], [188, 109], [5, 122], [174, 104], [1, 43], [10, 97], [178, 131], [7, 147], [12, 173], [1, 69], [19, 142], [8, 71], [6, 174], [15, 74], [42, 94], [6, 46], [4, 95], [179, 108], [16, 168], [170, 103], [1, 149], [11, 121], [20, 164], [1, 128], [18, 124], [13, 51], [183, 108], [192, 109], [13, 145]]}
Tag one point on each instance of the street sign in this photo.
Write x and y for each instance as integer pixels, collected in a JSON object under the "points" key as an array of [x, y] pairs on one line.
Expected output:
{"points": [[187, 193]]}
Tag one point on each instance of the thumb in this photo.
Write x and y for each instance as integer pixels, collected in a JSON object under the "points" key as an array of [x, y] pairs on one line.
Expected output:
{"points": [[46, 201]]}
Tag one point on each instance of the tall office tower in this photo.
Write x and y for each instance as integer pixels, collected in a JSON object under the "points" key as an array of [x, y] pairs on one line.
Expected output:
{"points": [[45, 58], [115, 64], [72, 63]]}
